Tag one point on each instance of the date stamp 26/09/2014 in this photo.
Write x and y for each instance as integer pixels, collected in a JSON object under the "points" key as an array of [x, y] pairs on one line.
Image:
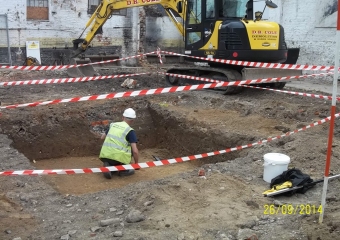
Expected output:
{"points": [[290, 209]]}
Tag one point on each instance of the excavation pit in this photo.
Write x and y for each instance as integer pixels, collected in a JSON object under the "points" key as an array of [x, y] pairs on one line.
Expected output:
{"points": [[68, 137]]}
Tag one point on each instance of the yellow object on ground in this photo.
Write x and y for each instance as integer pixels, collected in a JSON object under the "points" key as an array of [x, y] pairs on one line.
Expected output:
{"points": [[287, 184], [31, 61]]}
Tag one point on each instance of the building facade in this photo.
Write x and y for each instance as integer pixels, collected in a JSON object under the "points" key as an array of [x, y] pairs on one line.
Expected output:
{"points": [[55, 23], [309, 25]]}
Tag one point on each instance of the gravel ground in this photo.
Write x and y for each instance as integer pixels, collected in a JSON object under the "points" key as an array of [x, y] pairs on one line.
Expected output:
{"points": [[227, 203]]}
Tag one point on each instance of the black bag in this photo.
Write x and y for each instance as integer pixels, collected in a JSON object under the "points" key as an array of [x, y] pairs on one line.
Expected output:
{"points": [[296, 177]]}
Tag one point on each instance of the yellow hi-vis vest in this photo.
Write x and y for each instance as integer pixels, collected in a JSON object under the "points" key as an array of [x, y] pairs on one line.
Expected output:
{"points": [[115, 146]]}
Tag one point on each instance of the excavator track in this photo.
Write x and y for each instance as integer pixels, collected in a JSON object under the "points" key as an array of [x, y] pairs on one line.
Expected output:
{"points": [[227, 75]]}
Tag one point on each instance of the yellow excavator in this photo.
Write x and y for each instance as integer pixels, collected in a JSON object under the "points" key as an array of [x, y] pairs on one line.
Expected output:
{"points": [[219, 29]]}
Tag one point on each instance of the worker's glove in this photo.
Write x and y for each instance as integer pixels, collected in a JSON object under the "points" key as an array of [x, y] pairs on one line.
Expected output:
{"points": [[277, 187]]}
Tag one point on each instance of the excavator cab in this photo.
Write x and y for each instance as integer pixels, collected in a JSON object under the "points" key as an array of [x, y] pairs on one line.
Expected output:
{"points": [[225, 29]]}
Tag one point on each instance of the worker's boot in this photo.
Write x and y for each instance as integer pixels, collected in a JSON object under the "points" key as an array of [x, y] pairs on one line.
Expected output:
{"points": [[126, 172], [107, 175]]}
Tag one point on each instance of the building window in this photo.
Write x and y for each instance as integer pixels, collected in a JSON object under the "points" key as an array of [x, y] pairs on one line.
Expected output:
{"points": [[93, 4], [37, 9]]}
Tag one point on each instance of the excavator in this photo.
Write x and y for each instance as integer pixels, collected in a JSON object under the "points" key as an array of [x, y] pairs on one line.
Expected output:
{"points": [[219, 29]]}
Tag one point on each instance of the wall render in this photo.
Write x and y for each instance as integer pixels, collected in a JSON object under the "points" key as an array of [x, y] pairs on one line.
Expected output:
{"points": [[301, 24]]}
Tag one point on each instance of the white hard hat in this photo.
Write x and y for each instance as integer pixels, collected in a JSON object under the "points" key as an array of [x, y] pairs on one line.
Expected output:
{"points": [[129, 113]]}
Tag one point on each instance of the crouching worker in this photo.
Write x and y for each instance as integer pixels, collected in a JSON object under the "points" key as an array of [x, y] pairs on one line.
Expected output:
{"points": [[120, 144]]}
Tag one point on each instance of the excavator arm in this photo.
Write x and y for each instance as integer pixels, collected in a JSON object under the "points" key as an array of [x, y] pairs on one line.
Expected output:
{"points": [[174, 9]]}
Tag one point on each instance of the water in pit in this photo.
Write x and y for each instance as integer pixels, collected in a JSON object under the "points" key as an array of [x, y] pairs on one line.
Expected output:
{"points": [[78, 184]]}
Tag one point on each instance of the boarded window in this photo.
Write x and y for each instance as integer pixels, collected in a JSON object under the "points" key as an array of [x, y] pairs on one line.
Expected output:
{"points": [[93, 4], [37, 9]]}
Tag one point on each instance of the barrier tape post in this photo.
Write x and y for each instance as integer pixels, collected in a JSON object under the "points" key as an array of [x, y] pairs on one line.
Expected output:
{"points": [[331, 124]]}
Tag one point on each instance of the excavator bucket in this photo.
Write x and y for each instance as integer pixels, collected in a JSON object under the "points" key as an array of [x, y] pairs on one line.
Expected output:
{"points": [[81, 71]]}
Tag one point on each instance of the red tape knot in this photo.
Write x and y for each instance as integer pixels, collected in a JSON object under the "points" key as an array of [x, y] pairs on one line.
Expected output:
{"points": [[159, 55]]}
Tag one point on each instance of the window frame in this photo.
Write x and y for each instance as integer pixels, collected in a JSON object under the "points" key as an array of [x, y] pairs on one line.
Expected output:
{"points": [[91, 8], [36, 3], [44, 10]]}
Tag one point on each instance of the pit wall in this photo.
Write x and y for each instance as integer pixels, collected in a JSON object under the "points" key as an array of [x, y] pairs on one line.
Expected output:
{"points": [[185, 138], [62, 131], [56, 132]]}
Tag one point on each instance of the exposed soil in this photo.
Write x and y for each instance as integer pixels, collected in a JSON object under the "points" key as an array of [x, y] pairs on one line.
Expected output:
{"points": [[89, 183], [166, 202]]}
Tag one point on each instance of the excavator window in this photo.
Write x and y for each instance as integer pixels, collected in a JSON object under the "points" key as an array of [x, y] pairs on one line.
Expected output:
{"points": [[210, 9], [233, 8], [195, 11], [194, 37], [194, 15]]}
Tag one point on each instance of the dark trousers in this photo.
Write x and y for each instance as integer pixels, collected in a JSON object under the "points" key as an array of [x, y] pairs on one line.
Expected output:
{"points": [[111, 162], [116, 163]]}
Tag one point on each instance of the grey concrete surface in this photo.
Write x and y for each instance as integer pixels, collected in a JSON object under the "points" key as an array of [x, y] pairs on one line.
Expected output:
{"points": [[312, 85]]}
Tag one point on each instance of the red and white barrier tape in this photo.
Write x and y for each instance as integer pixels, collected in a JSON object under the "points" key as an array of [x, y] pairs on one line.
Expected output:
{"points": [[106, 122], [85, 79], [156, 163], [260, 80], [157, 90], [258, 64], [294, 93], [67, 80], [58, 67], [158, 52], [269, 79]]}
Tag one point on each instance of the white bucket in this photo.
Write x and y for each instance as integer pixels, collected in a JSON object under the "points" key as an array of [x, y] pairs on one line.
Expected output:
{"points": [[274, 165]]}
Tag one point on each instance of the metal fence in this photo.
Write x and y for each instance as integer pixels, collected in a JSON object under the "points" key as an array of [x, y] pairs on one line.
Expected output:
{"points": [[4, 40]]}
